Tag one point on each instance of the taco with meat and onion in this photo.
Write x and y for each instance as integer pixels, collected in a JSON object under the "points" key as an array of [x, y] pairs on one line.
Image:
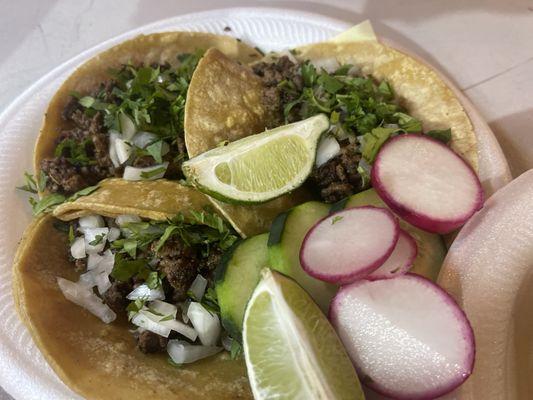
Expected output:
{"points": [[120, 298], [368, 90]]}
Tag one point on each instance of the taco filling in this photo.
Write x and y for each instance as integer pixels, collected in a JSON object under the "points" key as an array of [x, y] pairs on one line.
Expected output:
{"points": [[363, 114], [131, 127], [157, 274]]}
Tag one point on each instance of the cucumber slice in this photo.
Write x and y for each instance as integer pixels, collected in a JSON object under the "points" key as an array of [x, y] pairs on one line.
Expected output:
{"points": [[286, 236], [236, 278], [431, 249]]}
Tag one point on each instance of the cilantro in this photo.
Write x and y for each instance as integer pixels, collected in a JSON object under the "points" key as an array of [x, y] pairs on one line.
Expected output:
{"points": [[154, 172], [97, 240], [83, 192], [330, 83], [169, 317], [210, 301], [153, 281], [309, 74], [444, 135], [373, 141], [386, 90], [134, 307], [130, 247], [75, 152], [125, 269], [71, 236], [166, 235], [408, 123], [33, 186], [155, 150], [172, 363], [336, 219], [235, 350], [46, 204], [86, 101]]}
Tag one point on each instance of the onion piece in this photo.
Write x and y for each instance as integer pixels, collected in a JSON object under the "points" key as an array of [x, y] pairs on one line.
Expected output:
{"points": [[123, 150], [142, 320], [227, 342], [143, 139], [163, 308], [127, 126], [113, 135], [145, 293], [84, 297], [206, 324], [91, 235], [188, 331], [91, 221], [182, 352], [198, 287], [93, 260], [184, 305], [138, 174], [329, 65], [77, 248], [87, 279], [327, 149], [124, 219], [114, 234]]}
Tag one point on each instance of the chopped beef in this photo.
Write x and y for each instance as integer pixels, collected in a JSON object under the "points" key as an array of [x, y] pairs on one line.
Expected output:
{"points": [[80, 264], [144, 161], [209, 263], [115, 296], [339, 178], [180, 265], [272, 74], [63, 176], [150, 342]]}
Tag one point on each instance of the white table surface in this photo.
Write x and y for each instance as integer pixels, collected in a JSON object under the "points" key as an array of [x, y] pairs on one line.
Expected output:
{"points": [[485, 46]]}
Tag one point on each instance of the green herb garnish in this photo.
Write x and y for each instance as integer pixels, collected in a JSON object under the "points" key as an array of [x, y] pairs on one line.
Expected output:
{"points": [[444, 135], [336, 219], [153, 172], [97, 240]]}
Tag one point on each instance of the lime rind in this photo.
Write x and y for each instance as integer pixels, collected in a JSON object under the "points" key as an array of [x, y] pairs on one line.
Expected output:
{"points": [[260, 167]]}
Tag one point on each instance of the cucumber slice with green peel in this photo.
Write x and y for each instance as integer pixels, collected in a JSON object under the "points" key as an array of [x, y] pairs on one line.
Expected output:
{"points": [[236, 278], [286, 236], [431, 249]]}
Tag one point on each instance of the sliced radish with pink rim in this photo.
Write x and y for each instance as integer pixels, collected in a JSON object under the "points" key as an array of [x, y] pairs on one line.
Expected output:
{"points": [[426, 183], [349, 244], [399, 261], [406, 336]]}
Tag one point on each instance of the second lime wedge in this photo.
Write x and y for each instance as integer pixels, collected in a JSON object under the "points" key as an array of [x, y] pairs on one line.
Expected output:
{"points": [[260, 167], [291, 350]]}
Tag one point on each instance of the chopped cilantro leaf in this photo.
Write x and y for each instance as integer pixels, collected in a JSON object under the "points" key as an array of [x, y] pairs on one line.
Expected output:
{"points": [[153, 281], [444, 135], [83, 192], [71, 236], [125, 269], [235, 350], [373, 141], [169, 317], [130, 247], [97, 240], [47, 203], [408, 123], [336, 219], [153, 172], [155, 150]]}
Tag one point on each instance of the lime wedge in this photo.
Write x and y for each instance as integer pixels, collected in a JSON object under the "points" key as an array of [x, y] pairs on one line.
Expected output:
{"points": [[291, 350], [260, 167]]}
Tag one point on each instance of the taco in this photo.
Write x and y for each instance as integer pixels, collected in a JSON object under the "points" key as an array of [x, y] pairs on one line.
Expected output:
{"points": [[369, 91], [133, 276], [120, 114]]}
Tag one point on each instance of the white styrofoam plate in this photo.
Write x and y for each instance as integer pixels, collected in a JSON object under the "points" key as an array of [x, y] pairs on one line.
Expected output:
{"points": [[25, 374]]}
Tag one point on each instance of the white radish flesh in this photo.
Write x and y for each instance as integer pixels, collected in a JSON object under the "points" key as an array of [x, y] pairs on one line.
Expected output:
{"points": [[406, 336], [399, 261], [182, 352], [205, 323], [349, 244], [426, 183]]}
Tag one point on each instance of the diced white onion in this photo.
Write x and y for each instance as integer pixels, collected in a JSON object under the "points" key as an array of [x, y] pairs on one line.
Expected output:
{"points": [[330, 65], [93, 260], [123, 150], [184, 305], [163, 308], [141, 319], [98, 269], [124, 219], [90, 236], [77, 249], [393, 126], [87, 279], [188, 331], [84, 297], [113, 135], [143, 139], [182, 352], [135, 174], [206, 324], [114, 234], [127, 126], [327, 149], [198, 287], [91, 221], [145, 293]]}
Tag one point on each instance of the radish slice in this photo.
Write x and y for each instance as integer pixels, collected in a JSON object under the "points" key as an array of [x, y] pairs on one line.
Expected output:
{"points": [[426, 183], [399, 261], [349, 244], [406, 336]]}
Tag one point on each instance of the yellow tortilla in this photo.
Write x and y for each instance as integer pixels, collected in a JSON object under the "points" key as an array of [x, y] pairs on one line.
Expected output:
{"points": [[97, 360], [156, 200], [225, 104], [147, 49]]}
